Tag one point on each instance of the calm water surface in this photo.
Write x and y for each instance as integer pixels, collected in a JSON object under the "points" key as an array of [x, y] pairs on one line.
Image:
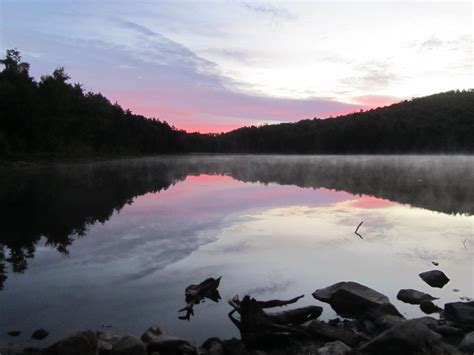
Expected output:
{"points": [[115, 243]]}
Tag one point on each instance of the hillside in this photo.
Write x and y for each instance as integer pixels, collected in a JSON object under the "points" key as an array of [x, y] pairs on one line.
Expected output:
{"points": [[438, 123]]}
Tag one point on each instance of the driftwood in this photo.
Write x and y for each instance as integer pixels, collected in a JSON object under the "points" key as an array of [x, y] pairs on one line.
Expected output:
{"points": [[256, 326], [235, 302], [296, 316], [195, 294]]}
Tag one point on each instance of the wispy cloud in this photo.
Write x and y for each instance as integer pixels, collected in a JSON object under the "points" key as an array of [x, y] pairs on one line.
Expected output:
{"points": [[136, 27], [267, 9], [373, 75], [433, 42], [151, 46]]}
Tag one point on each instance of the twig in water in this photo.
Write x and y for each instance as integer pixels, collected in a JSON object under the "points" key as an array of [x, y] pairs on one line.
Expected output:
{"points": [[357, 229]]}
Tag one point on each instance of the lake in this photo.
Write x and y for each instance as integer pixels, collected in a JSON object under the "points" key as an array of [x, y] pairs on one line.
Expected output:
{"points": [[113, 244]]}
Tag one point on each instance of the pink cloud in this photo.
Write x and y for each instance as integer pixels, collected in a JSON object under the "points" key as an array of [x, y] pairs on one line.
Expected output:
{"points": [[373, 101], [209, 111]]}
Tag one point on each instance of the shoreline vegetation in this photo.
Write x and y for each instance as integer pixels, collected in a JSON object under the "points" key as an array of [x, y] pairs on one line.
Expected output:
{"points": [[50, 119], [368, 323]]}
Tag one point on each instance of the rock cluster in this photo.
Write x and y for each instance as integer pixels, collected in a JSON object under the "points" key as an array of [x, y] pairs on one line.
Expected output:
{"points": [[371, 325]]}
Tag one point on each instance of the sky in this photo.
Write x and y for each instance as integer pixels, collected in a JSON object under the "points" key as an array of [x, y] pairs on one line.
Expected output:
{"points": [[213, 66]]}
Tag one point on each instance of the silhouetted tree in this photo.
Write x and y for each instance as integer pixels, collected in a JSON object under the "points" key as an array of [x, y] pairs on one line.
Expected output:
{"points": [[55, 118]]}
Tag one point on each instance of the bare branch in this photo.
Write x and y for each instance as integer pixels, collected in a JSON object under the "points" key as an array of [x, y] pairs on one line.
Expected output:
{"points": [[357, 229]]}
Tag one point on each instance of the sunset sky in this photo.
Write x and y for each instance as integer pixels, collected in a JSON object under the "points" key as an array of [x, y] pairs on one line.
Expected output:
{"points": [[212, 66]]}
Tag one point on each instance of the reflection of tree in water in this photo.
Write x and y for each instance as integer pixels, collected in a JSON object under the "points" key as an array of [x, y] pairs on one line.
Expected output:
{"points": [[3, 272], [59, 202]]}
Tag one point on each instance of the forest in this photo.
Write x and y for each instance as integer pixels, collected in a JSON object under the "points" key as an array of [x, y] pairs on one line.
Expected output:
{"points": [[53, 118]]}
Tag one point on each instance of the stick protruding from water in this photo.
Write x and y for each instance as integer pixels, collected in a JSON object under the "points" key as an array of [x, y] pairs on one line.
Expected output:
{"points": [[357, 230]]}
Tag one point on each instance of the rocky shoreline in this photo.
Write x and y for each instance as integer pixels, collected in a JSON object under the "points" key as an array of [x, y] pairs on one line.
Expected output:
{"points": [[369, 324]]}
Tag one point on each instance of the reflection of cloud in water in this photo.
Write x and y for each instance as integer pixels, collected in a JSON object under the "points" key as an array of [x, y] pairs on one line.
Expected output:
{"points": [[365, 201], [235, 247], [270, 288], [64, 201], [273, 241]]}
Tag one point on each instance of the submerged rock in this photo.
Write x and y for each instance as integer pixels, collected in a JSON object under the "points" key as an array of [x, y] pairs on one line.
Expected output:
{"points": [[129, 345], [434, 278], [413, 296], [461, 313], [39, 334], [353, 300], [14, 333], [334, 348], [408, 337], [83, 343]]}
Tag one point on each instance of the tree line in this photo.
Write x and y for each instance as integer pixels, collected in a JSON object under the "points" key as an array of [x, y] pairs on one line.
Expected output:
{"points": [[52, 117]]}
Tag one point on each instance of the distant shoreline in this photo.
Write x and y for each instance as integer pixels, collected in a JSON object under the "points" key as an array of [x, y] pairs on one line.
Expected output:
{"points": [[34, 160]]}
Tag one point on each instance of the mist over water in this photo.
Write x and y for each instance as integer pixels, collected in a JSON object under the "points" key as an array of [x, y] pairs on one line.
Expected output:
{"points": [[116, 242]]}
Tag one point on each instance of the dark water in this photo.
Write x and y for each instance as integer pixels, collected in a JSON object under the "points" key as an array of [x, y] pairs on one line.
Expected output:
{"points": [[116, 242]]}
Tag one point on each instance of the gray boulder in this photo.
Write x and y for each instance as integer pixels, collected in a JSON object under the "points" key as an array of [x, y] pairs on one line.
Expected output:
{"points": [[216, 349], [129, 345], [451, 334], [408, 337], [387, 321], [165, 344], [413, 296], [82, 343], [461, 313], [213, 346], [234, 347], [353, 300], [104, 346], [334, 348], [434, 278], [467, 344], [108, 337], [150, 333], [430, 322], [39, 334], [429, 307]]}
